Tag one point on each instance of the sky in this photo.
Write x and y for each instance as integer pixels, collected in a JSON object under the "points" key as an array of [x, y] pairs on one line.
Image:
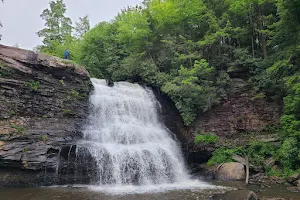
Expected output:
{"points": [[21, 18]]}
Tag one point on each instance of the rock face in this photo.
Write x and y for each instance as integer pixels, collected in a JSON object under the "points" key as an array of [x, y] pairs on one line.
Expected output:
{"points": [[293, 178], [241, 111], [43, 105]]}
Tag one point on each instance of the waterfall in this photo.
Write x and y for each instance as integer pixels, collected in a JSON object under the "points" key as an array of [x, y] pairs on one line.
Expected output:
{"points": [[129, 144]]}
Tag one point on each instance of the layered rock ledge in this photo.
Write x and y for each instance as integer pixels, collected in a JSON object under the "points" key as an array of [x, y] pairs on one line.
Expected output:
{"points": [[43, 105]]}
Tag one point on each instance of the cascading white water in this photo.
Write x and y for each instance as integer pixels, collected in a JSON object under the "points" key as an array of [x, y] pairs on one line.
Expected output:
{"points": [[129, 144]]}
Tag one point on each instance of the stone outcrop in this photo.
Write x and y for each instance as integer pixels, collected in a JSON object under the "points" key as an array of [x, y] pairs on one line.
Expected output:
{"points": [[239, 113], [43, 105], [291, 179], [231, 172]]}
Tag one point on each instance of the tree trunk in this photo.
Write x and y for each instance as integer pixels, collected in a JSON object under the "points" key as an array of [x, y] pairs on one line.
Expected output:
{"points": [[253, 30], [262, 35], [247, 169]]}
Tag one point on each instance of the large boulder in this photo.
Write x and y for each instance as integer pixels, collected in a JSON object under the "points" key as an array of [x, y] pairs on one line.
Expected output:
{"points": [[231, 171], [297, 183], [291, 179]]}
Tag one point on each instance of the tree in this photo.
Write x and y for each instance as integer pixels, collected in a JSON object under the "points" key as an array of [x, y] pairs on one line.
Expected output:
{"points": [[82, 27], [58, 26]]}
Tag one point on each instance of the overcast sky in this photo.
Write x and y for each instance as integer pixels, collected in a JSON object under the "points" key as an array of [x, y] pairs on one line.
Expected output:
{"points": [[21, 18]]}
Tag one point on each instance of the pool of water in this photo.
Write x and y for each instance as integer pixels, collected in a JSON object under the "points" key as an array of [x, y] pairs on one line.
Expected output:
{"points": [[87, 194], [165, 192]]}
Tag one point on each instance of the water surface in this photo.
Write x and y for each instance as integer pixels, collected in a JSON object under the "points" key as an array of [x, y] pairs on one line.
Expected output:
{"points": [[86, 194]]}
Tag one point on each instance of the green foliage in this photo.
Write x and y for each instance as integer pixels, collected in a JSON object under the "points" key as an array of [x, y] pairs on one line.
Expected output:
{"points": [[258, 96], [206, 139], [4, 71], [12, 112], [259, 151], [57, 34], [193, 90], [44, 138], [33, 85], [289, 154], [67, 111], [82, 26], [274, 172], [18, 129], [74, 95], [223, 155], [62, 82], [58, 26]]}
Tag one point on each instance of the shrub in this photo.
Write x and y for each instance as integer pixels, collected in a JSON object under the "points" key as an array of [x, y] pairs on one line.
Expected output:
{"points": [[223, 155], [67, 111], [259, 151], [44, 138], [18, 129], [62, 82], [206, 139], [33, 85]]}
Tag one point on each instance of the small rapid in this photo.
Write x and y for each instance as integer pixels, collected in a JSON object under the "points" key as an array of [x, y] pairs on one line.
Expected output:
{"points": [[132, 149]]}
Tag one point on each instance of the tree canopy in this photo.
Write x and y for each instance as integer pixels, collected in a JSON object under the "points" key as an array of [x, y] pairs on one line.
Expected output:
{"points": [[82, 27], [58, 26]]}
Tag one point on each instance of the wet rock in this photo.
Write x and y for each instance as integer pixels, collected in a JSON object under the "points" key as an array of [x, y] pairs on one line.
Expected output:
{"points": [[209, 172], [237, 195], [293, 178], [231, 171], [237, 113], [297, 183], [293, 189], [270, 162], [37, 95]]}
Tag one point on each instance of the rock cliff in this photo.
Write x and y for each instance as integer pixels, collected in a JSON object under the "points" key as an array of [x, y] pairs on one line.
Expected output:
{"points": [[241, 111], [43, 104], [239, 114]]}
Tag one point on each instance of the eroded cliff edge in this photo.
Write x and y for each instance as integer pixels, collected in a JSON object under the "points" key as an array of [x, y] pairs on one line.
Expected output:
{"points": [[43, 105]]}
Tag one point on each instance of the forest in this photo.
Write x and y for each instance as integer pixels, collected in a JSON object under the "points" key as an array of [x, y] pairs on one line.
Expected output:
{"points": [[186, 47]]}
